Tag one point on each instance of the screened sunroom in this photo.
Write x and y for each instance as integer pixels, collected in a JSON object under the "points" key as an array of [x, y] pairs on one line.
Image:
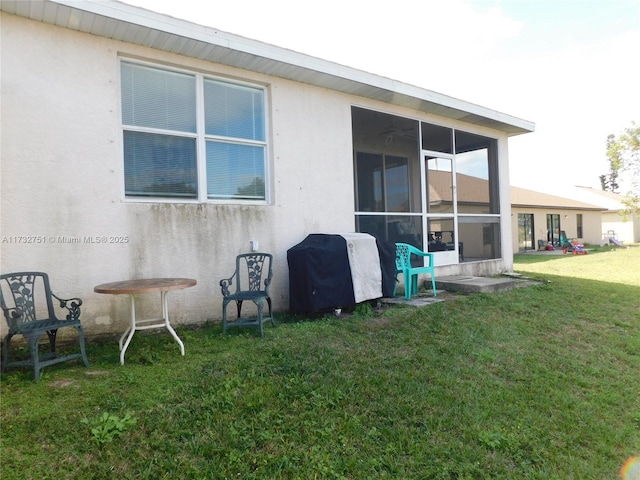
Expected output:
{"points": [[428, 185]]}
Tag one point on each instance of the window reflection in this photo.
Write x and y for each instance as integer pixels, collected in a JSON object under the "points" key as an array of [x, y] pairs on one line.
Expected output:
{"points": [[480, 237], [525, 231], [441, 234], [397, 184], [159, 165], [394, 228], [440, 185], [235, 171], [234, 110], [372, 224], [475, 185], [382, 183], [369, 169], [405, 230]]}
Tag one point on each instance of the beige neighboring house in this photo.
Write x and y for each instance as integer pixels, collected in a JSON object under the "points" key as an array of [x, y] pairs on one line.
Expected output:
{"points": [[615, 225], [539, 219]]}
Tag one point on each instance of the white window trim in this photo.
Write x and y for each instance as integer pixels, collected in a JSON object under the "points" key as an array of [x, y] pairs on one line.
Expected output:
{"points": [[200, 136]]}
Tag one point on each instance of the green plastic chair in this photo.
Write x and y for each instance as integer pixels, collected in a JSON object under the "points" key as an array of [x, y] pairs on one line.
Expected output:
{"points": [[410, 273]]}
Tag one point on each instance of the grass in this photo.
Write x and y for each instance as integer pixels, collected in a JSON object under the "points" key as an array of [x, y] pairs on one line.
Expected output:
{"points": [[609, 264], [537, 383]]}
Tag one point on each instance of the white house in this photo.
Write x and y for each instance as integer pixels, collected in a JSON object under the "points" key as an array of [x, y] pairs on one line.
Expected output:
{"points": [[622, 228], [139, 145]]}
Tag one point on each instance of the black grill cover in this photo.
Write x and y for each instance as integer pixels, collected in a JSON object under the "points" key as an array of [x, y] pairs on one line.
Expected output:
{"points": [[320, 276], [387, 252]]}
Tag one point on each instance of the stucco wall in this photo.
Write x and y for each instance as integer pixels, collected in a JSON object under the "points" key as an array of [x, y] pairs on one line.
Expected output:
{"points": [[626, 229], [62, 180], [591, 222]]}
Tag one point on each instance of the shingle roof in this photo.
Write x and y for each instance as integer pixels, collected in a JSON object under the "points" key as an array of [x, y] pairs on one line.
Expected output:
{"points": [[475, 190], [521, 197]]}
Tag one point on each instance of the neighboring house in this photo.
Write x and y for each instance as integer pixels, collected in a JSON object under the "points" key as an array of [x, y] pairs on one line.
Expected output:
{"points": [[623, 228], [538, 217], [138, 145], [589, 216]]}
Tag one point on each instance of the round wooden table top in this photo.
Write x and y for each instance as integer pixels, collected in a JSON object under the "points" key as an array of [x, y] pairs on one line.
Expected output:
{"points": [[145, 285]]}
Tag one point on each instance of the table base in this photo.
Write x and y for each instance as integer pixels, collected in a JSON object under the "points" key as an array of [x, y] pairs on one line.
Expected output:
{"points": [[144, 325]]}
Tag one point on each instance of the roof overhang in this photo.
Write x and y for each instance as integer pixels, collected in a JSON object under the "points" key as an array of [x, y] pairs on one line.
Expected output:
{"points": [[126, 23], [524, 198], [558, 207]]}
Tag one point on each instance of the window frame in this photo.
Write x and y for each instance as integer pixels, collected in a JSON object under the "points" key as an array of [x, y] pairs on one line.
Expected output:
{"points": [[201, 137], [579, 226]]}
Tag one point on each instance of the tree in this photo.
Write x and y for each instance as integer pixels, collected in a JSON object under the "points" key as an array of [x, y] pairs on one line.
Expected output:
{"points": [[624, 161], [255, 189], [609, 182]]}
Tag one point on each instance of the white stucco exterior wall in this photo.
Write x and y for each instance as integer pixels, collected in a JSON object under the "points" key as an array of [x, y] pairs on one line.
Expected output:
{"points": [[625, 228], [505, 206], [62, 203]]}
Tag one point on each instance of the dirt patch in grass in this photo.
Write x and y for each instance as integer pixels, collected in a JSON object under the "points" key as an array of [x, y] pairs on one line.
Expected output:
{"points": [[63, 382]]}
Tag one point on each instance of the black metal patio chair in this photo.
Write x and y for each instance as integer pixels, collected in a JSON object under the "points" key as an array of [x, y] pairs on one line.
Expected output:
{"points": [[27, 302], [251, 279]]}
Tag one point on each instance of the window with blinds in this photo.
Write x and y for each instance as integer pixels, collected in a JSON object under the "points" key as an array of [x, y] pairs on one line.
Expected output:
{"points": [[167, 145]]}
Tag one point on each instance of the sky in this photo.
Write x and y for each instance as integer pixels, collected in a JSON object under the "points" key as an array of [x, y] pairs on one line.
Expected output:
{"points": [[569, 66]]}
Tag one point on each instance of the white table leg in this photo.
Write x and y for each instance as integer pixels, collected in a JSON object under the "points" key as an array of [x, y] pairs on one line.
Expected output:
{"points": [[138, 325], [129, 331], [165, 314]]}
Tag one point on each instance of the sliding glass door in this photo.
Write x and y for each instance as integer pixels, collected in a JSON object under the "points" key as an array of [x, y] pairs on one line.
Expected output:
{"points": [[525, 231], [553, 228]]}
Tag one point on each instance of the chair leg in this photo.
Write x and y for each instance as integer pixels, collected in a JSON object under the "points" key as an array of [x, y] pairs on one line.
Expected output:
{"points": [[271, 312], [408, 287], [433, 285], [52, 340], [224, 316], [83, 351], [5, 351], [260, 306], [35, 356]]}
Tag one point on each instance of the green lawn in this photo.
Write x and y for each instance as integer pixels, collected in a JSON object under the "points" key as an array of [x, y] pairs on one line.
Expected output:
{"points": [[541, 382], [608, 264]]}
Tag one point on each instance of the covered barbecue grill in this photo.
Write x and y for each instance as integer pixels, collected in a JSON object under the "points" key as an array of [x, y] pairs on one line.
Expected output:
{"points": [[339, 270]]}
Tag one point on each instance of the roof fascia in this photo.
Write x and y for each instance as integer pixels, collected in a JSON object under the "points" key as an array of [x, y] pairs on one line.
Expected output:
{"points": [[222, 47]]}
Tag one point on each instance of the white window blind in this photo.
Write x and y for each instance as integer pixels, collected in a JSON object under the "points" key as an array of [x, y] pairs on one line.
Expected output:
{"points": [[157, 98], [161, 137]]}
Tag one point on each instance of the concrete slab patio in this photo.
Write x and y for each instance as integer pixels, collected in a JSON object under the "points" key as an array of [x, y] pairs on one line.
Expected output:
{"points": [[420, 300], [463, 285], [469, 284]]}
